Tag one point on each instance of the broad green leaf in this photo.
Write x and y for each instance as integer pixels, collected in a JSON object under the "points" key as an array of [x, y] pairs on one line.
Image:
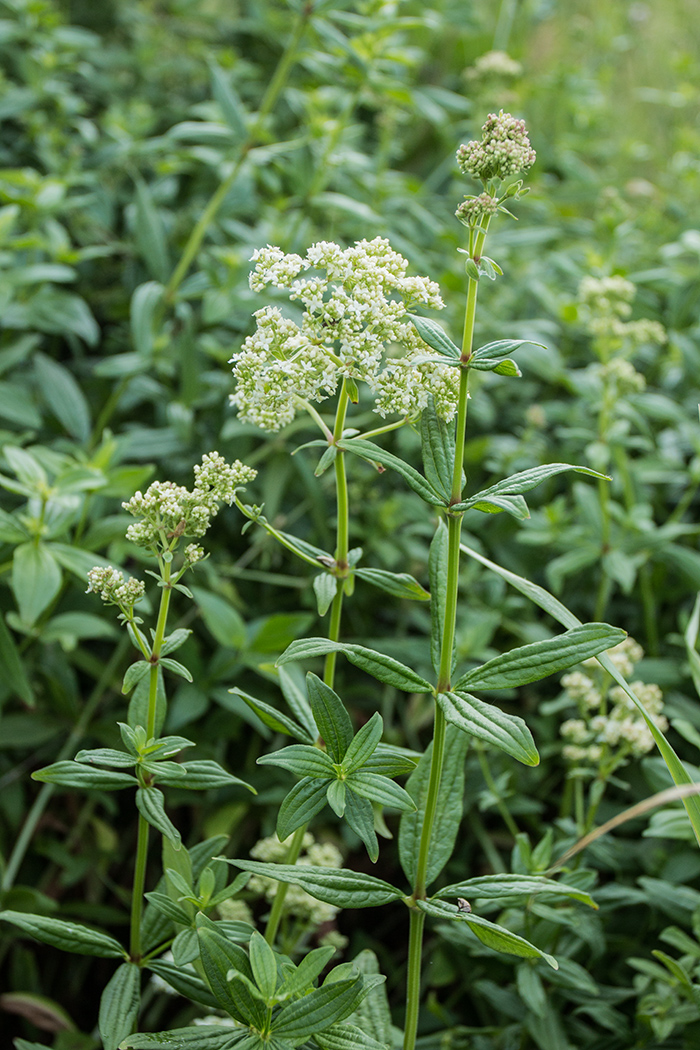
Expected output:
{"points": [[359, 815], [201, 775], [14, 673], [145, 311], [372, 1016], [119, 1005], [219, 956], [263, 964], [223, 621], [68, 936], [493, 936], [364, 743], [302, 759], [382, 667], [437, 449], [77, 775], [293, 686], [321, 1008], [338, 886], [325, 586], [448, 814], [134, 673], [374, 454], [329, 713], [434, 335], [201, 1037], [151, 805], [550, 604], [380, 789], [274, 719], [437, 571], [399, 584], [36, 580], [530, 663], [63, 396], [304, 801], [488, 723], [499, 887]]}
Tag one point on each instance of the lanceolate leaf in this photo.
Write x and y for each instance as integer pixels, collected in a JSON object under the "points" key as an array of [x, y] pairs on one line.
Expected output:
{"points": [[495, 503], [385, 668], [487, 722], [302, 759], [201, 775], [374, 454], [68, 936], [381, 789], [437, 569], [372, 1016], [333, 721], [219, 956], [36, 579], [77, 775], [360, 817], [501, 348], [550, 604], [304, 801], [151, 805], [293, 686], [400, 584], [364, 743], [529, 479], [338, 886], [184, 982], [506, 886], [493, 936], [274, 719], [201, 1037], [346, 1036], [448, 814], [530, 663], [119, 1005], [438, 449], [434, 335], [321, 1008]]}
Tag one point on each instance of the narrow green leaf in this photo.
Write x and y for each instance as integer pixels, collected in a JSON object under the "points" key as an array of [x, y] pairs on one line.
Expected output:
{"points": [[448, 814], [119, 1005], [336, 793], [382, 667], [219, 956], [201, 775], [68, 936], [175, 640], [399, 584], [329, 713], [373, 1015], [488, 723], [526, 480], [150, 233], [151, 805], [327, 460], [338, 886], [228, 100], [438, 449], [293, 686], [550, 604], [185, 947], [325, 587], [367, 450], [364, 743], [495, 503], [201, 1037], [36, 580], [391, 761], [304, 801], [380, 789], [530, 663], [63, 396], [263, 964], [346, 1036], [321, 1008], [437, 573], [168, 907], [106, 756], [176, 668], [274, 719], [498, 887], [134, 673], [433, 334], [13, 669], [501, 348], [493, 936], [145, 316], [302, 759], [360, 817], [77, 775]]}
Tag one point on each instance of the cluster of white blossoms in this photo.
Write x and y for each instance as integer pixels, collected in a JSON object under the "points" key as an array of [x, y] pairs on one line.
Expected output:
{"points": [[354, 301], [610, 728], [494, 64], [605, 303], [297, 902], [168, 511], [113, 589], [504, 149]]}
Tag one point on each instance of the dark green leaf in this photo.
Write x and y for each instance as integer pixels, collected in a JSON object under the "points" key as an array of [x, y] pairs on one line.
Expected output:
{"points": [[201, 775], [106, 756], [151, 805], [498, 887], [372, 1016], [438, 449], [263, 964], [493, 936], [380, 789], [390, 761], [302, 759], [346, 1036], [119, 1005], [201, 1037], [364, 744], [274, 719], [487, 722], [374, 454], [219, 956], [360, 816], [321, 1008], [329, 713], [433, 334], [337, 886], [68, 936], [77, 775], [63, 397], [385, 668], [293, 686], [437, 570], [304, 801], [400, 584]]}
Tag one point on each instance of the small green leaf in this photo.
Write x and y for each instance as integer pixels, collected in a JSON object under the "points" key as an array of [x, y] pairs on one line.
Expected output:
{"points": [[302, 759], [145, 312], [119, 1005], [336, 795], [77, 775], [293, 686], [325, 587], [220, 956], [302, 977], [274, 719], [360, 816], [175, 640], [364, 743], [201, 775], [185, 947], [151, 805], [433, 334], [63, 396], [501, 348], [329, 713], [327, 460], [382, 667], [176, 668], [337, 886], [487, 722], [321, 1008], [304, 801], [530, 663], [526, 480], [184, 982], [134, 673], [36, 580], [168, 907], [496, 503], [264, 965], [493, 936], [380, 789], [68, 936], [391, 761], [367, 450], [106, 756], [400, 584]]}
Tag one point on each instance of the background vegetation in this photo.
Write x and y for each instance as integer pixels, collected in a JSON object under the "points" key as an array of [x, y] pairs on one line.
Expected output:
{"points": [[121, 122]]}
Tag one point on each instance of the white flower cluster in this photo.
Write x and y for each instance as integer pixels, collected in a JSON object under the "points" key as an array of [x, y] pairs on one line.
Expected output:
{"points": [[109, 583], [354, 301], [610, 728], [298, 902], [604, 305], [168, 510], [494, 64], [504, 149], [622, 375]]}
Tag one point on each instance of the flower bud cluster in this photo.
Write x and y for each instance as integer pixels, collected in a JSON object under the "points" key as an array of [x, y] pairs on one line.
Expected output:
{"points": [[610, 728], [297, 902], [494, 64], [473, 209], [169, 511], [605, 304], [113, 589], [504, 149], [353, 303]]}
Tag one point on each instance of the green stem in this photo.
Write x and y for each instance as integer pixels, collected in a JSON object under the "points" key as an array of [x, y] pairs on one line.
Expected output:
{"points": [[138, 889], [415, 951]]}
